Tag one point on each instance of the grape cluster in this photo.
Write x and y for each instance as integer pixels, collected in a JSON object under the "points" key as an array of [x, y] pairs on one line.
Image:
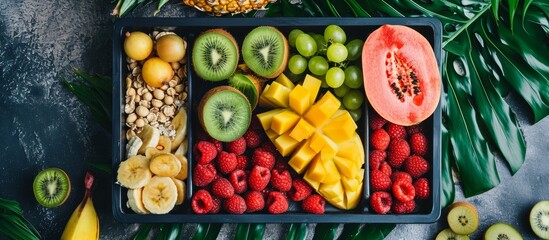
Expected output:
{"points": [[332, 59]]}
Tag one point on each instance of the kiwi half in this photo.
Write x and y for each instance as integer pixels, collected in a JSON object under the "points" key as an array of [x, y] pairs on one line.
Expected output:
{"points": [[539, 219], [463, 218], [502, 231], [448, 234], [265, 50], [51, 187], [215, 55], [249, 85], [225, 113]]}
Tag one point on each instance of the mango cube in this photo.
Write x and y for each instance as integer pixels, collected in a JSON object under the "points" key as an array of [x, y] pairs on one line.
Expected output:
{"points": [[302, 130], [272, 135], [285, 144], [333, 191], [285, 81], [313, 85], [340, 128], [284, 121], [353, 197], [333, 175], [322, 110], [314, 184], [301, 158], [263, 101], [318, 141], [266, 118], [277, 94], [350, 184], [346, 167], [316, 170], [299, 99]]}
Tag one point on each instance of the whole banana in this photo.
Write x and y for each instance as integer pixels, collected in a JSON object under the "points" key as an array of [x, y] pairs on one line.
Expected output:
{"points": [[84, 223]]}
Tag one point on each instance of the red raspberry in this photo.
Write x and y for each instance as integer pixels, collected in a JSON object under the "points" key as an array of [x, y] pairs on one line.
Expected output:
{"points": [[242, 162], [238, 181], [216, 205], [204, 152], [259, 178], [202, 202], [277, 203], [376, 158], [416, 166], [281, 180], [400, 207], [300, 190], [380, 139], [422, 188], [269, 147], [254, 201], [419, 144], [381, 202], [313, 204], [379, 181], [376, 121], [414, 129], [401, 175], [263, 158], [218, 144], [237, 146], [403, 190], [226, 162], [253, 138], [396, 131], [385, 168], [235, 204], [203, 174], [222, 188], [399, 150]]}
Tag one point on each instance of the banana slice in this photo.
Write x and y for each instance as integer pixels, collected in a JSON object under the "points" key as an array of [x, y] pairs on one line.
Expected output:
{"points": [[135, 201], [183, 147], [150, 137], [132, 147], [180, 185], [160, 195], [164, 146], [180, 124], [182, 175], [165, 165], [134, 172]]}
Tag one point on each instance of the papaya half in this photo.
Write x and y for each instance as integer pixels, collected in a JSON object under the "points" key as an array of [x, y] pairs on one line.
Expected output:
{"points": [[401, 76]]}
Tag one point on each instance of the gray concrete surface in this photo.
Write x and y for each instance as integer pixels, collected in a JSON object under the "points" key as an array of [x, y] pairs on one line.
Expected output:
{"points": [[43, 125]]}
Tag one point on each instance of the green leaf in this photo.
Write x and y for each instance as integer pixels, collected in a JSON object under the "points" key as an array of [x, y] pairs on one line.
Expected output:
{"points": [[297, 231], [207, 231], [513, 4], [325, 231], [13, 224], [350, 231], [375, 231], [160, 4], [143, 232], [447, 182], [250, 231], [357, 10], [107, 168], [495, 8]]}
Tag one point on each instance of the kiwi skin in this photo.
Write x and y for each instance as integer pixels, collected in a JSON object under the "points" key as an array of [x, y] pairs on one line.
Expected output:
{"points": [[212, 92], [230, 37], [41, 197], [244, 82]]}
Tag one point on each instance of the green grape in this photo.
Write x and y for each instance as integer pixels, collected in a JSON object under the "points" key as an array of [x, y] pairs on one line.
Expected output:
{"points": [[320, 43], [353, 77], [293, 35], [341, 91], [354, 47], [353, 100], [337, 52], [335, 77], [356, 114], [318, 65], [305, 45], [297, 64], [335, 34]]}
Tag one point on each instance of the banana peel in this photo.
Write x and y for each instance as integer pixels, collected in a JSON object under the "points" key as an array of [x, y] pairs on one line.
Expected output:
{"points": [[84, 222]]}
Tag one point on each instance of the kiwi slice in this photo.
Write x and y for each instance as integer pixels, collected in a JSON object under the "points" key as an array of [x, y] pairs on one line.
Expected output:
{"points": [[51, 187], [225, 113], [249, 85], [502, 231], [265, 50], [215, 55], [448, 234], [463, 218], [539, 219]]}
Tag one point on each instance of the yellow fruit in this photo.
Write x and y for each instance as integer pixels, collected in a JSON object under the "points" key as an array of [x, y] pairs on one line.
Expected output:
{"points": [[318, 141], [218, 8], [272, 135], [332, 175], [316, 171], [333, 191], [301, 158], [283, 121], [285, 144], [266, 118], [346, 167], [340, 128], [299, 99], [349, 184], [302, 130], [263, 101], [138, 45], [171, 48], [313, 85], [156, 72], [277, 94], [285, 81], [322, 110], [314, 184]]}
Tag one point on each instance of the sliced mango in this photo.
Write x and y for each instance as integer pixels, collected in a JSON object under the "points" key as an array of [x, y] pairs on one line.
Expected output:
{"points": [[278, 94], [302, 130], [284, 121], [299, 99], [333, 191], [285, 81], [346, 167], [263, 101], [333, 175], [321, 111], [301, 158], [349, 184], [272, 135], [314, 184], [313, 85], [285, 144], [316, 170], [266, 118], [340, 128]]}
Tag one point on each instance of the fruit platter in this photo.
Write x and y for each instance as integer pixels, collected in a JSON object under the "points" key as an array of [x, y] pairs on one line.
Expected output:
{"points": [[277, 120]]}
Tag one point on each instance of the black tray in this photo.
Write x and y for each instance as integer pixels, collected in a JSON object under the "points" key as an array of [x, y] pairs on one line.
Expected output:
{"points": [[427, 211]]}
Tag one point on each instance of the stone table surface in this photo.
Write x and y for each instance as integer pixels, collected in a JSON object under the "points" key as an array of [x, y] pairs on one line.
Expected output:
{"points": [[43, 125]]}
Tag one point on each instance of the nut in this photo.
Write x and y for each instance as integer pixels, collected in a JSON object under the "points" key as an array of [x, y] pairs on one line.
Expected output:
{"points": [[162, 118], [129, 108], [157, 103], [179, 88], [158, 94], [130, 133], [130, 92], [175, 65], [137, 84], [140, 123], [170, 91], [151, 117], [164, 87], [128, 82], [168, 110], [147, 96], [183, 96], [131, 118], [136, 71], [137, 98], [168, 100], [172, 83], [142, 111], [151, 89], [142, 90], [144, 103]]}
